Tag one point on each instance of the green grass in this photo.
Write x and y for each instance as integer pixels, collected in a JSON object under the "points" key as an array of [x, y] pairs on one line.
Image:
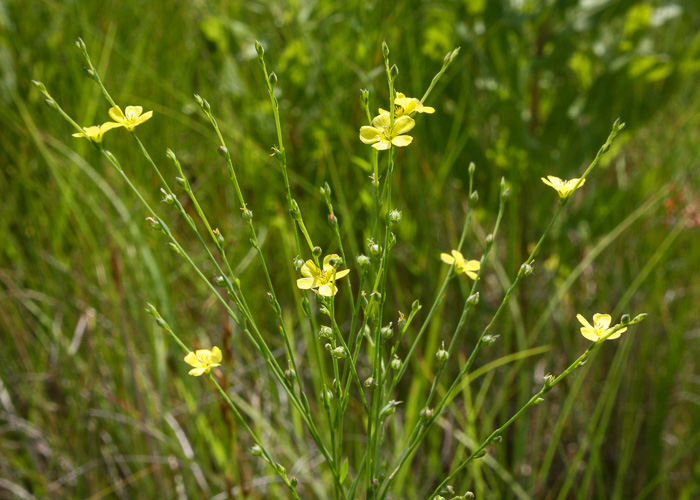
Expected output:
{"points": [[94, 400]]}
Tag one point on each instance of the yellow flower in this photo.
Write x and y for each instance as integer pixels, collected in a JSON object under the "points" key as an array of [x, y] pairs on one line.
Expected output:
{"points": [[564, 188], [203, 360], [323, 279], [131, 118], [96, 132], [468, 267], [381, 136], [407, 105], [600, 329]]}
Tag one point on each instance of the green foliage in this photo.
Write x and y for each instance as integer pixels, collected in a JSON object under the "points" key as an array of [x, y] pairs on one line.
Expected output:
{"points": [[94, 400]]}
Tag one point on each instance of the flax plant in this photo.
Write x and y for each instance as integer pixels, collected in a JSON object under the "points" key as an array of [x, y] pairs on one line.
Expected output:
{"points": [[362, 337]]}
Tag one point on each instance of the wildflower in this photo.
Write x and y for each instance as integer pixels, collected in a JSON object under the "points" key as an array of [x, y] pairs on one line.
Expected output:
{"points": [[468, 267], [407, 105], [600, 329], [564, 188], [203, 360], [382, 135], [131, 118], [322, 279], [96, 132]]}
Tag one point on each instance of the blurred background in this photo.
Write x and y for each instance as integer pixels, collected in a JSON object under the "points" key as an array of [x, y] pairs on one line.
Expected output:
{"points": [[95, 401]]}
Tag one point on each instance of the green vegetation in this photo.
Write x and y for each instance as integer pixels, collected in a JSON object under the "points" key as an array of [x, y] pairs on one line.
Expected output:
{"points": [[95, 400]]}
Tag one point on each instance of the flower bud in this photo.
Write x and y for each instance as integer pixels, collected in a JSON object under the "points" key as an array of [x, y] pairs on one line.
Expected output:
{"points": [[373, 247], [290, 374], [396, 363], [442, 355], [294, 210], [223, 152], [395, 216], [246, 214], [426, 413], [364, 95], [90, 73], [385, 50], [298, 262], [50, 103], [538, 400], [218, 236], [306, 306], [642, 316], [401, 323], [625, 319], [370, 383], [154, 223], [273, 79], [472, 166], [489, 339], [294, 481], [526, 270], [256, 450], [506, 194], [474, 197], [174, 248], [317, 251], [548, 380], [362, 260], [39, 85], [181, 182], [468, 495], [220, 281], [489, 239], [167, 197], [473, 299], [280, 468], [497, 439], [332, 220], [482, 453], [394, 72], [387, 332], [335, 262], [259, 49], [325, 332], [339, 352]]}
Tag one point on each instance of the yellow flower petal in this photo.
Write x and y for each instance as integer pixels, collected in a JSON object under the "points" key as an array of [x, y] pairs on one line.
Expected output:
{"points": [[589, 334], [117, 114], [327, 290], [305, 283], [310, 269], [472, 265], [203, 355], [447, 259], [617, 333], [402, 141], [191, 359], [382, 120], [382, 145], [133, 111], [197, 371], [369, 135], [403, 124], [340, 274], [216, 355], [584, 321], [146, 116], [601, 321]]}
